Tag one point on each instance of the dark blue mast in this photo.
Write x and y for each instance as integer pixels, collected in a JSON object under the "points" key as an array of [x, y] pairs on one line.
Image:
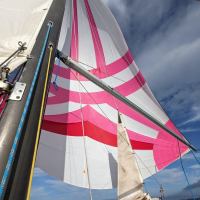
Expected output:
{"points": [[20, 119]]}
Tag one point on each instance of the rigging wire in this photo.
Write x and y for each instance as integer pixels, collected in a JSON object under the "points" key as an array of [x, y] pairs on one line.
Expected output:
{"points": [[184, 172]]}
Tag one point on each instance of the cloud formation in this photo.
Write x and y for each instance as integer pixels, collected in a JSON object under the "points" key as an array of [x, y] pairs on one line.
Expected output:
{"points": [[164, 38]]}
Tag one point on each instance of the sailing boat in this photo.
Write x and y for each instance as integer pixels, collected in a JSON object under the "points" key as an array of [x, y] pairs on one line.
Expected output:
{"points": [[79, 143]]}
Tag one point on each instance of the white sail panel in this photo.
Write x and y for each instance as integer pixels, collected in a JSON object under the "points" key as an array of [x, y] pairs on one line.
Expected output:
{"points": [[23, 22], [84, 116]]}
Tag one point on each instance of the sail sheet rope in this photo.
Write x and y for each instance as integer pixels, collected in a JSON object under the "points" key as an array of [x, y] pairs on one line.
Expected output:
{"points": [[84, 142], [12, 153]]}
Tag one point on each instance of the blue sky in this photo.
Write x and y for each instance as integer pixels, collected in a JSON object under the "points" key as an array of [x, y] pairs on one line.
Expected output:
{"points": [[164, 37]]}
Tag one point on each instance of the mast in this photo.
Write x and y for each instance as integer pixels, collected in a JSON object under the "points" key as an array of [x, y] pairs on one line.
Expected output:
{"points": [[18, 176], [162, 194], [78, 68]]}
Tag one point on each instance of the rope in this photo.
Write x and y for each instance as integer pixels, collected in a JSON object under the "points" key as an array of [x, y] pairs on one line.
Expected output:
{"points": [[39, 124], [23, 117], [86, 158], [181, 162]]}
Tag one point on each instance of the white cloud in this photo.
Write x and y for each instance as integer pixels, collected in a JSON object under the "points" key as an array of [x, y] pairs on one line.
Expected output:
{"points": [[118, 4], [169, 175], [197, 166], [164, 36], [39, 173], [195, 117]]}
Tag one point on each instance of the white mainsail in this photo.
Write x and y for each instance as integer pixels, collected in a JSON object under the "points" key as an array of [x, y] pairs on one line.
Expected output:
{"points": [[15, 20], [79, 138]]}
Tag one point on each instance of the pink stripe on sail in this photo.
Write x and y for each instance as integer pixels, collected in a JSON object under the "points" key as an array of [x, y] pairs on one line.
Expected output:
{"points": [[100, 97], [100, 121], [124, 109], [163, 142], [74, 40], [88, 115], [100, 59], [111, 69], [162, 155], [100, 135]]}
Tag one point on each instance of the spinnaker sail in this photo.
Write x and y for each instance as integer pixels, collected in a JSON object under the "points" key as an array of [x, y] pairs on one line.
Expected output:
{"points": [[78, 142]]}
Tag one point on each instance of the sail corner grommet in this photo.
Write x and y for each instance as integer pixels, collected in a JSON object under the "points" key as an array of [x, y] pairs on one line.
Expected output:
{"points": [[50, 23], [50, 44]]}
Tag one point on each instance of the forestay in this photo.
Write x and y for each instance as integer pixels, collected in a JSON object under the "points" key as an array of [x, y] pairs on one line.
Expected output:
{"points": [[15, 19], [79, 138]]}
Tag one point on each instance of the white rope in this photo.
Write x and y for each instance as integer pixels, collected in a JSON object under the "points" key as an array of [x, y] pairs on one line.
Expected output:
{"points": [[84, 142]]}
